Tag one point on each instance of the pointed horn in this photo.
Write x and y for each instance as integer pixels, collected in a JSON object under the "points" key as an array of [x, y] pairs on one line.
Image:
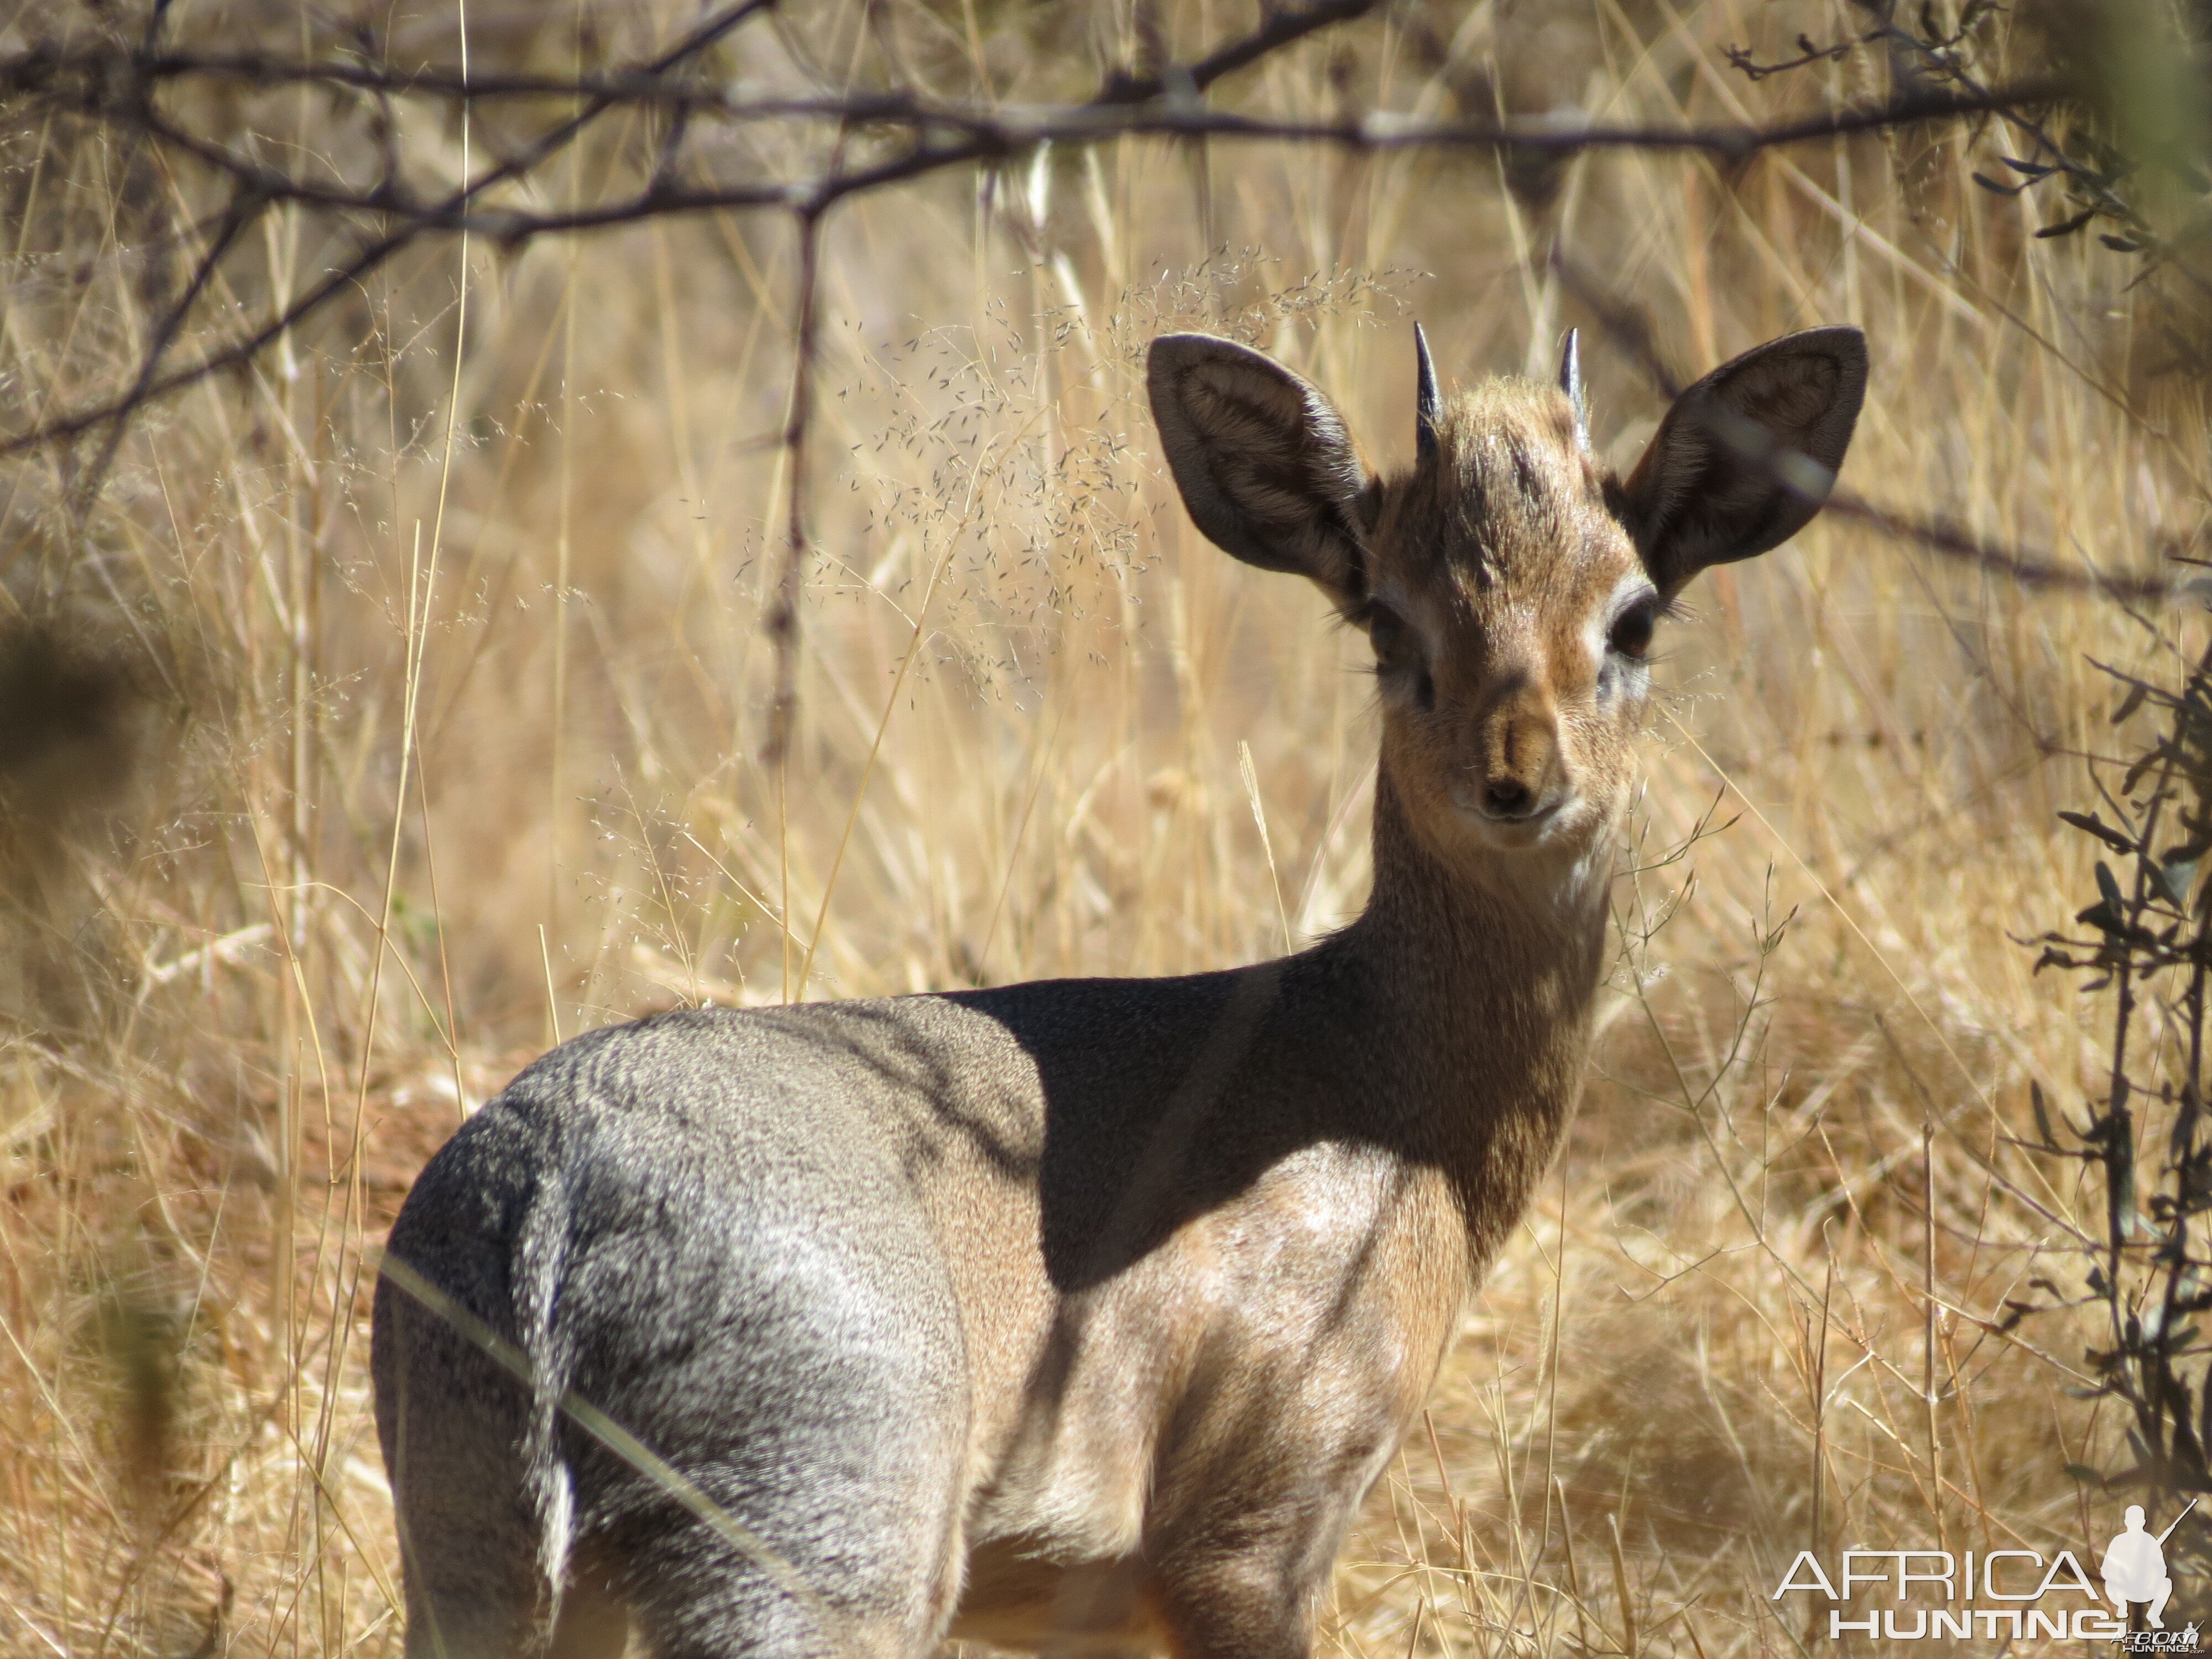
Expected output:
{"points": [[1424, 402], [1571, 382]]}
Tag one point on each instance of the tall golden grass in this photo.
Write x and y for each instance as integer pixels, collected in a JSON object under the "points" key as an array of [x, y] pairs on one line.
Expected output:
{"points": [[413, 691]]}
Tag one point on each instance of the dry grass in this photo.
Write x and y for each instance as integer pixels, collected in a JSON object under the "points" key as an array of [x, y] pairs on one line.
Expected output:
{"points": [[419, 689]]}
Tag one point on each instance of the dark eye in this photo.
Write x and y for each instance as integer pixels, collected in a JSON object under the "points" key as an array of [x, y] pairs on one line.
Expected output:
{"points": [[1388, 636], [1632, 629], [1395, 652]]}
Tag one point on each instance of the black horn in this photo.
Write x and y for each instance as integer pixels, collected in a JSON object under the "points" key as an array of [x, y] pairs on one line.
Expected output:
{"points": [[1571, 382], [1424, 402]]}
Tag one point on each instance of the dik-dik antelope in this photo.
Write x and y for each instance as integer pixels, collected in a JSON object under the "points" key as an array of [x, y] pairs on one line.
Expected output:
{"points": [[1078, 1316]]}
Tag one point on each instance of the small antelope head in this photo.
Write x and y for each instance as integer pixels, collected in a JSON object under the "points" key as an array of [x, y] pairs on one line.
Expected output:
{"points": [[1509, 585]]}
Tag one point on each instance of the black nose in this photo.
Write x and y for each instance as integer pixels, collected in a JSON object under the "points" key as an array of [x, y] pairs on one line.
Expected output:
{"points": [[1508, 798]]}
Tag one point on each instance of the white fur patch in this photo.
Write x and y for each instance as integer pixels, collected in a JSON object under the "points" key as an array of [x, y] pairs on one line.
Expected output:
{"points": [[1597, 627], [556, 1533]]}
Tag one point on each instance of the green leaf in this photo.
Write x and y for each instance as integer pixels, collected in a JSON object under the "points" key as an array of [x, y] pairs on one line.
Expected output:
{"points": [[2068, 227], [2090, 824], [2180, 875], [2084, 1473], [2100, 916], [2109, 886]]}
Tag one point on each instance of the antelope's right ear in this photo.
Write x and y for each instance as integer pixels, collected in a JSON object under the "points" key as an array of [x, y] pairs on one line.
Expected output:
{"points": [[1746, 456], [1265, 466]]}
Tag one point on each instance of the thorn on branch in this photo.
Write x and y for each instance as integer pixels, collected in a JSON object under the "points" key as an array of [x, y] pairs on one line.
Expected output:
{"points": [[1742, 58]]}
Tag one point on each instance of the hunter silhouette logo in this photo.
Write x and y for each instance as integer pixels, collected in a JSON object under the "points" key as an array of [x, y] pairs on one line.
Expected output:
{"points": [[2002, 1596], [2134, 1566]]}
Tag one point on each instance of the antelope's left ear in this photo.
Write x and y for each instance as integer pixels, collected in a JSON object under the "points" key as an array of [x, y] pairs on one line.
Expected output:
{"points": [[1746, 456], [1265, 466]]}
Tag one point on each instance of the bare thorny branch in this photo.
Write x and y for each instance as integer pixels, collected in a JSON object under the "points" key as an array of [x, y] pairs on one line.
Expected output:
{"points": [[121, 90]]}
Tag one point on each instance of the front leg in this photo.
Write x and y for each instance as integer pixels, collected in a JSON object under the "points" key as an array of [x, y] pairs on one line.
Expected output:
{"points": [[1240, 1607], [1244, 1577]]}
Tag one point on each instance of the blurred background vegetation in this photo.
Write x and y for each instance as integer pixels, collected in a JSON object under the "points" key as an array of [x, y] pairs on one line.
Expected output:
{"points": [[377, 711]]}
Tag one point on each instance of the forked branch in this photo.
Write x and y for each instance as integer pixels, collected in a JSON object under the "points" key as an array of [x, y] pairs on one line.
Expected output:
{"points": [[880, 141]]}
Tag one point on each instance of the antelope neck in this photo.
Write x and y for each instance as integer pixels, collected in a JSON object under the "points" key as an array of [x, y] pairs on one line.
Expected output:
{"points": [[1483, 975], [1503, 926]]}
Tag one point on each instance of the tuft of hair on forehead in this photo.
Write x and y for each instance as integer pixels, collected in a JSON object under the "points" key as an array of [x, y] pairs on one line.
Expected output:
{"points": [[1509, 478]]}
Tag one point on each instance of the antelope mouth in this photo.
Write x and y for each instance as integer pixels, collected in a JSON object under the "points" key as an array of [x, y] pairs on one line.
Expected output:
{"points": [[1511, 830]]}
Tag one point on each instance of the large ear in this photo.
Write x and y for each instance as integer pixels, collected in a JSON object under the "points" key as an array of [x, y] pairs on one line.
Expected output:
{"points": [[1262, 460], [1746, 456]]}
